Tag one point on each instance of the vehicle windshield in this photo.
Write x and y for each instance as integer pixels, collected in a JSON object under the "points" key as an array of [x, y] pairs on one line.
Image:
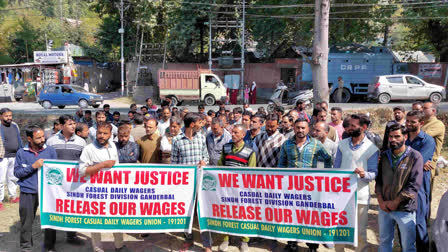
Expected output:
{"points": [[79, 89]]}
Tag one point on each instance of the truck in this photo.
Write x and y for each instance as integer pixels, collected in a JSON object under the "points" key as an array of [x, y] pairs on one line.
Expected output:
{"points": [[195, 85], [357, 67]]}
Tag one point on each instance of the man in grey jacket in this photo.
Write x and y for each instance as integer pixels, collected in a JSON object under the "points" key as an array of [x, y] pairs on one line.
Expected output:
{"points": [[216, 139]]}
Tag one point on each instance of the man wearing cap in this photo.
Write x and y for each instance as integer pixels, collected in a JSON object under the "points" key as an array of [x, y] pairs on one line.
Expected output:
{"points": [[399, 116]]}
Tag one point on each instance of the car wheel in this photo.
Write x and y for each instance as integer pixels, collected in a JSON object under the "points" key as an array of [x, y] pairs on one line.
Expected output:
{"points": [[210, 100], [61, 107], [46, 104], [346, 96], [174, 101], [95, 106], [83, 103], [435, 97], [384, 98]]}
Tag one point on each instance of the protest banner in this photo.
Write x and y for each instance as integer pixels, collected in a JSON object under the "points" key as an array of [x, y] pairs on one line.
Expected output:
{"points": [[306, 205], [131, 198]]}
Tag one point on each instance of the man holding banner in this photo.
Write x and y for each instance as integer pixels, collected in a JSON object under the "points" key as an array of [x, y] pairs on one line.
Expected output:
{"points": [[101, 154], [28, 160], [189, 147], [237, 154], [68, 146], [359, 154], [302, 151]]}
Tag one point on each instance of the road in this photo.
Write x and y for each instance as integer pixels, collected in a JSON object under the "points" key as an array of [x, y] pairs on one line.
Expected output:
{"points": [[122, 105]]}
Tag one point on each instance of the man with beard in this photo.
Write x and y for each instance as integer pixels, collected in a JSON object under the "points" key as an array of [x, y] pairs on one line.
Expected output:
{"points": [[12, 142], [128, 151], [68, 146], [87, 118], [418, 105], [399, 116], [267, 145], [99, 155], [189, 147], [301, 106], [100, 116], [256, 122], [216, 140], [164, 123], [302, 151], [237, 154], [150, 143], [425, 144], [359, 154], [400, 172], [435, 128], [29, 160], [320, 132], [336, 120], [287, 129]]}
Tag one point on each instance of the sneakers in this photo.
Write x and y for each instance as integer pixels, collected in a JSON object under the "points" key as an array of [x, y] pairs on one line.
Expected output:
{"points": [[291, 247], [122, 249], [224, 246], [244, 247], [15, 200], [1, 207]]}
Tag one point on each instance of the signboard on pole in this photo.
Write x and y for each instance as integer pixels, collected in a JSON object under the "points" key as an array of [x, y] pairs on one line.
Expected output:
{"points": [[50, 57]]}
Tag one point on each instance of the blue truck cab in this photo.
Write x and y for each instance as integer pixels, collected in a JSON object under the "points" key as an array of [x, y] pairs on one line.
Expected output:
{"points": [[357, 69]]}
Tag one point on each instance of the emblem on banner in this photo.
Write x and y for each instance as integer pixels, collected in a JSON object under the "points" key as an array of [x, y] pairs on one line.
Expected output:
{"points": [[54, 176], [209, 183]]}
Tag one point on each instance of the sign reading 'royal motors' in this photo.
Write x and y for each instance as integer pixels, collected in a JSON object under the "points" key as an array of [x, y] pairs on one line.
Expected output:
{"points": [[50, 57]]}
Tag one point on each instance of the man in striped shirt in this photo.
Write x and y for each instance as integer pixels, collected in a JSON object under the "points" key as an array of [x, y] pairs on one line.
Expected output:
{"points": [[68, 146]]}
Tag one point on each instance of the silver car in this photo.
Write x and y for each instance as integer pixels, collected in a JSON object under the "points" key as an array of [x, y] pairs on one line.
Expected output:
{"points": [[385, 88]]}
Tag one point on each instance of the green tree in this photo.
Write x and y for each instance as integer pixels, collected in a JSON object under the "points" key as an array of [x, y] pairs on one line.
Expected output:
{"points": [[24, 41]]}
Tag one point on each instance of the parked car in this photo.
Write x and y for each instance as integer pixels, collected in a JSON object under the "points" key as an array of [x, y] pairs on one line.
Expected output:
{"points": [[385, 88], [63, 95]]}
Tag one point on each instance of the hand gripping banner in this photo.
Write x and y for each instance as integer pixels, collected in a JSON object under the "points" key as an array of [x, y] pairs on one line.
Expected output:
{"points": [[131, 198], [306, 205]]}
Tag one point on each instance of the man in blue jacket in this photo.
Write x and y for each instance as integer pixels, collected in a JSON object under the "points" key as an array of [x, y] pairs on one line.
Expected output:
{"points": [[28, 160]]}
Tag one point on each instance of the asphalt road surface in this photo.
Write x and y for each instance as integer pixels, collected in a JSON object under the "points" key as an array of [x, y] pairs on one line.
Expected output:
{"points": [[35, 108]]}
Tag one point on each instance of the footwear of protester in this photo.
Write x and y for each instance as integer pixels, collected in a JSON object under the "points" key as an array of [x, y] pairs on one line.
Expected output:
{"points": [[1, 207], [122, 249], [292, 247], [15, 200], [144, 235], [244, 247], [75, 241], [224, 246], [186, 246], [98, 249]]}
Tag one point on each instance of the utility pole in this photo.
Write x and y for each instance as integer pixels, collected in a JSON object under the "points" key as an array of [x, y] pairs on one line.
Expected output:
{"points": [[60, 9], [121, 31], [319, 61]]}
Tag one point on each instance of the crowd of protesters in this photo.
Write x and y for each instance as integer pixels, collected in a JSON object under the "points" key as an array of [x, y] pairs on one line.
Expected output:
{"points": [[402, 163]]}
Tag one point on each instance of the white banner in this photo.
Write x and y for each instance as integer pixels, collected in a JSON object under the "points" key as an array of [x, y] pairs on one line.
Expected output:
{"points": [[131, 198], [306, 205], [50, 57]]}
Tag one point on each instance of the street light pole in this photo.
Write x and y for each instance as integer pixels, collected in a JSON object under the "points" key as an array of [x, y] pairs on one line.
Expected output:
{"points": [[121, 31]]}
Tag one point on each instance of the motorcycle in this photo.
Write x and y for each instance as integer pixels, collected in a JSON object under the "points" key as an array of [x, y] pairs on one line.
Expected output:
{"points": [[287, 98]]}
